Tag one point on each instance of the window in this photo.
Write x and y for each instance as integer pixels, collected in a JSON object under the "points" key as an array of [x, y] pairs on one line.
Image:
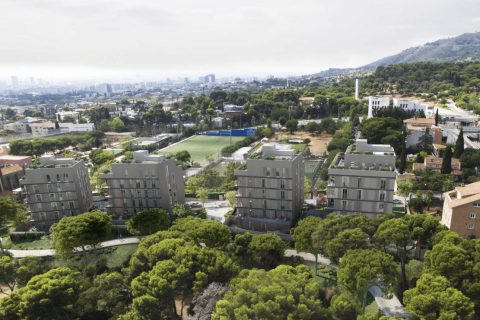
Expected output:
{"points": [[344, 205], [382, 196], [54, 205], [265, 203], [250, 225], [123, 193], [282, 184], [344, 193], [138, 184], [48, 178], [59, 188], [60, 197], [264, 214], [476, 205], [63, 214], [383, 184], [470, 226], [71, 204], [49, 188], [65, 176], [44, 217], [154, 193], [153, 174], [282, 205], [57, 215], [264, 183], [154, 185], [140, 203], [284, 172], [133, 203], [125, 203], [146, 174], [277, 174], [473, 215], [268, 172], [282, 195], [359, 182], [144, 183], [380, 206], [454, 167], [39, 198], [139, 193], [126, 173], [58, 178], [35, 189], [146, 193], [154, 202], [122, 184], [263, 226], [359, 194], [250, 203], [264, 194]]}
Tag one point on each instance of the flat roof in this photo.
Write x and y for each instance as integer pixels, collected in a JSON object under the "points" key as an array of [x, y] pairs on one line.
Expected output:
{"points": [[8, 157]]}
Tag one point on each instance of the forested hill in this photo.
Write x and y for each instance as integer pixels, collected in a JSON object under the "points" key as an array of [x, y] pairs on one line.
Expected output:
{"points": [[452, 49]]}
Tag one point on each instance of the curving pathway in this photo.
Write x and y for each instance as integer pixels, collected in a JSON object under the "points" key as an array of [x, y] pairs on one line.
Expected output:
{"points": [[390, 307]]}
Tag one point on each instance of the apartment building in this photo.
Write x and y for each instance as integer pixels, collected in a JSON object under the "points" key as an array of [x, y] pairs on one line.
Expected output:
{"points": [[149, 181], [362, 180], [377, 102], [461, 208], [416, 128], [270, 189], [435, 164], [59, 187], [10, 177]]}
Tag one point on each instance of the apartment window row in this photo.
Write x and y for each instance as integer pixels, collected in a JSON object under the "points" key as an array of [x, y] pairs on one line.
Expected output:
{"points": [[277, 172], [58, 177], [138, 184], [265, 206], [139, 193], [264, 215], [139, 203]]}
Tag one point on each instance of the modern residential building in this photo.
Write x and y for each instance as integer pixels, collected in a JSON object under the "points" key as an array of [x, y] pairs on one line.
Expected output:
{"points": [[149, 181], [10, 177], [23, 125], [461, 208], [59, 187], [377, 102], [270, 189], [362, 180]]}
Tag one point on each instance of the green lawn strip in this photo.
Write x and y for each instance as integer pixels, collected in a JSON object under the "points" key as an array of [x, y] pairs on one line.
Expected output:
{"points": [[200, 147], [37, 244], [116, 257], [309, 170], [327, 277], [399, 213], [221, 168]]}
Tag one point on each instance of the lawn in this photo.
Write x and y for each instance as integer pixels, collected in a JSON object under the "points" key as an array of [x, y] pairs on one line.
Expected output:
{"points": [[201, 146], [37, 244], [327, 278], [309, 169], [116, 257], [221, 168]]}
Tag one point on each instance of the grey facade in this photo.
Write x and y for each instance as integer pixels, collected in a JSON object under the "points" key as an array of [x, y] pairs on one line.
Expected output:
{"points": [[60, 189], [149, 181], [270, 190], [362, 181]]}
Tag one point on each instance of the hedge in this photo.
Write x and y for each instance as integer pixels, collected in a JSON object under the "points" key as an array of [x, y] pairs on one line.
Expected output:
{"points": [[26, 235], [239, 144]]}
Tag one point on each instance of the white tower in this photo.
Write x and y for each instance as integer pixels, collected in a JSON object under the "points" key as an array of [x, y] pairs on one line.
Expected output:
{"points": [[357, 89]]}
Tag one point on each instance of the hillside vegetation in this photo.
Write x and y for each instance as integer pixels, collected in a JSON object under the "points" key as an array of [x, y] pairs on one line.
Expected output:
{"points": [[452, 49]]}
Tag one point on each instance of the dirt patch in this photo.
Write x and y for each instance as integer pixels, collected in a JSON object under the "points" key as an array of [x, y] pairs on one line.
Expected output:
{"points": [[4, 289], [186, 304], [317, 145]]}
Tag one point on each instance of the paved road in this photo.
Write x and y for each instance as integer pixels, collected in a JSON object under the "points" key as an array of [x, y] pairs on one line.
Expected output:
{"points": [[390, 307]]}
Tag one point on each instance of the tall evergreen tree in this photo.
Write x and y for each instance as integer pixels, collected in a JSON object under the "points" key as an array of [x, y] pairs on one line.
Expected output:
{"points": [[425, 141], [459, 146], [436, 118], [447, 161], [403, 158]]}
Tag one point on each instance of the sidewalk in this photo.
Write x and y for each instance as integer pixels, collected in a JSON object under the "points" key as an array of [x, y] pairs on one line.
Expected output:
{"points": [[51, 252], [390, 307]]}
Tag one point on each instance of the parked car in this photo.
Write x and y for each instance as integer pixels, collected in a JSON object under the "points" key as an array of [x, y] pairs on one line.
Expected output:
{"points": [[195, 205], [223, 204], [397, 201]]}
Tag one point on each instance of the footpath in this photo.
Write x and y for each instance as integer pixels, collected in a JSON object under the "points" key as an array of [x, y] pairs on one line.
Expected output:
{"points": [[390, 307]]}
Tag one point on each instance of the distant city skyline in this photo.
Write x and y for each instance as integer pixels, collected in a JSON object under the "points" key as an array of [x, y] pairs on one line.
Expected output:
{"points": [[106, 38]]}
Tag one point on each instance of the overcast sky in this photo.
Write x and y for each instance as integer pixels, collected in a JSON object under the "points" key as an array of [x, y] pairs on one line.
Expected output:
{"points": [[50, 38]]}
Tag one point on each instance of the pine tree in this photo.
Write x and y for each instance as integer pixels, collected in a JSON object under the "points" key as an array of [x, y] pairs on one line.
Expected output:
{"points": [[447, 161], [403, 158], [459, 146], [436, 118], [57, 126]]}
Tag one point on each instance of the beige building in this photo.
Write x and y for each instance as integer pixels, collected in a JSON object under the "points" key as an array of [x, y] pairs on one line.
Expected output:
{"points": [[362, 180], [461, 208], [435, 164], [270, 189], [44, 128], [149, 181], [59, 187]]}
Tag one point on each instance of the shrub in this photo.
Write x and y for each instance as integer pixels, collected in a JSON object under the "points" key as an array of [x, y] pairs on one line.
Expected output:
{"points": [[368, 152]]}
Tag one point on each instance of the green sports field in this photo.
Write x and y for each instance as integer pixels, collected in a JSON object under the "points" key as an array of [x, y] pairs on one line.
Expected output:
{"points": [[201, 146]]}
